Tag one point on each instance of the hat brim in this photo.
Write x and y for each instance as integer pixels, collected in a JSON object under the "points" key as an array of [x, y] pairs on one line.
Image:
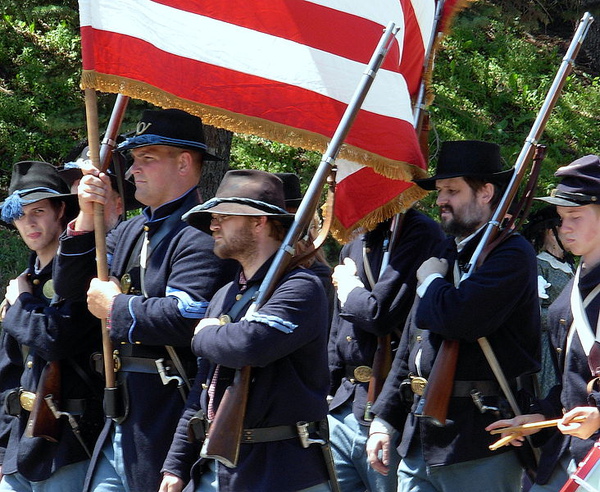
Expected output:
{"points": [[429, 183], [70, 174], [561, 202], [143, 141], [200, 217]]}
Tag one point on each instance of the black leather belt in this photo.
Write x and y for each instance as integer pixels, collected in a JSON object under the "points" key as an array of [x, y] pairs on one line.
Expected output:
{"points": [[463, 389], [74, 406], [270, 434], [137, 364]]}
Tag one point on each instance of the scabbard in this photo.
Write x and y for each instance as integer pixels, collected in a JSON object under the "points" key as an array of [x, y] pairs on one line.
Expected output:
{"points": [[333, 481]]}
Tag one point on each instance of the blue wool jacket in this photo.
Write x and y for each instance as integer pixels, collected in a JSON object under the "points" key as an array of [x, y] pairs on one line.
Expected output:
{"points": [[572, 392], [181, 276], [35, 331], [368, 313], [498, 301], [285, 343]]}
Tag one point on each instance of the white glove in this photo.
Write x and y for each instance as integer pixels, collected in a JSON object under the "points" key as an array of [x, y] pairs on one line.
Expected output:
{"points": [[345, 280], [543, 284]]}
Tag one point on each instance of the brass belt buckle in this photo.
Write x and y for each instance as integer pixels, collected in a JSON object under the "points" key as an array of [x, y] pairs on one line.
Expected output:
{"points": [[417, 385], [362, 374], [126, 283], [27, 400], [116, 361], [593, 385]]}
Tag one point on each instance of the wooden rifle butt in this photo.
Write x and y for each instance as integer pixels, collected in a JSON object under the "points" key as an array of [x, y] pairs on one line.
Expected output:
{"points": [[225, 433], [436, 399], [382, 363], [42, 422]]}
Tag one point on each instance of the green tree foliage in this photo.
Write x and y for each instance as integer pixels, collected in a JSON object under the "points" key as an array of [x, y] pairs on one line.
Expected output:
{"points": [[491, 76], [40, 103]]}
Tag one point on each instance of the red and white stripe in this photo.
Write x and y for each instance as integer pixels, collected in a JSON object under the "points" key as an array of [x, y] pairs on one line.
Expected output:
{"points": [[282, 69]]}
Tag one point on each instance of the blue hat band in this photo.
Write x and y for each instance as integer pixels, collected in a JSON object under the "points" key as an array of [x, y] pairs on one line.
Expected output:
{"points": [[264, 206], [150, 139]]}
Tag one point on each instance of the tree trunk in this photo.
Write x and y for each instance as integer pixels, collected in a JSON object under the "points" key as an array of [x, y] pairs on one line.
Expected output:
{"points": [[219, 144], [591, 46]]}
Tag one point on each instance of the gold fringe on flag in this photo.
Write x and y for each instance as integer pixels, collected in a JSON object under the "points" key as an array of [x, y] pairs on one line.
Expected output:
{"points": [[239, 123], [398, 205]]}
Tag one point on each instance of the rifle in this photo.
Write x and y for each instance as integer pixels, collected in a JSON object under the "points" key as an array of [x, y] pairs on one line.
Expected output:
{"points": [[435, 401], [382, 360], [42, 422], [100, 158], [227, 426], [229, 421]]}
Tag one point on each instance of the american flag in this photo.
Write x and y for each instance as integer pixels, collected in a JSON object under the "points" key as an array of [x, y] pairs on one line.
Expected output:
{"points": [[280, 69]]}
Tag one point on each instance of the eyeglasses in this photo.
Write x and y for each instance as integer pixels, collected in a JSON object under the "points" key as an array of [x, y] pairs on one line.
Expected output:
{"points": [[218, 219]]}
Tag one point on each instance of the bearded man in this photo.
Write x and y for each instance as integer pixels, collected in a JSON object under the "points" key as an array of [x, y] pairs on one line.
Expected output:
{"points": [[498, 301]]}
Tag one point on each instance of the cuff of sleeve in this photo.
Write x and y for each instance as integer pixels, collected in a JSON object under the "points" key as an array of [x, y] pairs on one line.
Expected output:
{"points": [[109, 317], [71, 229], [380, 426], [426, 283], [594, 399]]}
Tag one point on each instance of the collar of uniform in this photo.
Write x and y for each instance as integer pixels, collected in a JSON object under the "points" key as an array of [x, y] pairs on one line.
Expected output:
{"points": [[261, 273], [460, 245], [155, 218], [589, 281], [44, 274]]}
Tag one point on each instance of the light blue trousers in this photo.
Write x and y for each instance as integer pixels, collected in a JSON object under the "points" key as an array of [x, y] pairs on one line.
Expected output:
{"points": [[69, 478], [109, 474], [348, 443], [501, 473], [563, 470]]}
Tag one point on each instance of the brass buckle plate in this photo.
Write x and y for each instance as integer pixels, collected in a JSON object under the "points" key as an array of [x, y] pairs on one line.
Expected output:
{"points": [[417, 385], [362, 374], [27, 400]]}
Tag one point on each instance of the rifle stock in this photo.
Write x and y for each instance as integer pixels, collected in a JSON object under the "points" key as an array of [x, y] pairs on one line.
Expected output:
{"points": [[382, 363], [439, 386], [436, 399], [225, 432], [42, 422]]}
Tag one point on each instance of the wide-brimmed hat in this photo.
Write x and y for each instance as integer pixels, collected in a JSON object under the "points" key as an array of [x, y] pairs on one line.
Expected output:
{"points": [[171, 127], [541, 220], [71, 171], [468, 158], [243, 192], [579, 183], [291, 189], [32, 181]]}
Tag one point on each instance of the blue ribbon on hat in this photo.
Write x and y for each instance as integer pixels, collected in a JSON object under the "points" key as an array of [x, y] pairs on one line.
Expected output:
{"points": [[12, 208], [264, 206], [151, 139], [74, 164]]}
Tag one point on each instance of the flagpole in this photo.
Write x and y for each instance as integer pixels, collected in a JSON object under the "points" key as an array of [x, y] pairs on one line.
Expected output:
{"points": [[100, 158], [91, 111], [419, 109]]}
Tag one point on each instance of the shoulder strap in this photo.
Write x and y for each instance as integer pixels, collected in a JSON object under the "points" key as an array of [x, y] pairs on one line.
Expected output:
{"points": [[243, 301]]}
